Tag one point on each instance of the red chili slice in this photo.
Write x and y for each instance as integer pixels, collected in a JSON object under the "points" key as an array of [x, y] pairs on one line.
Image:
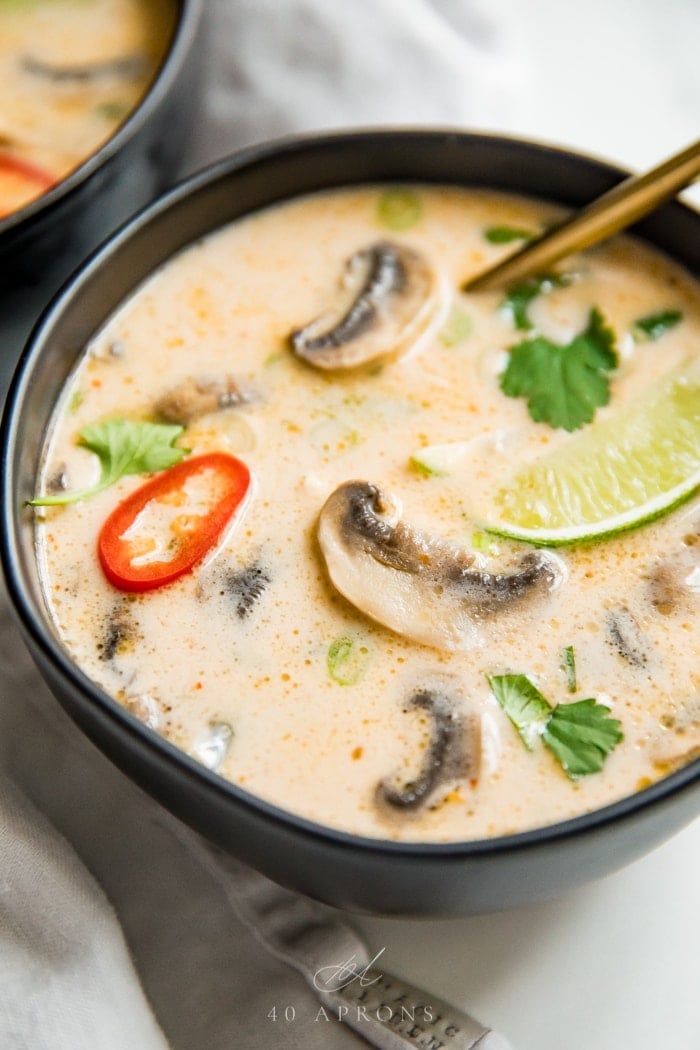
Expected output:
{"points": [[126, 560], [20, 182]]}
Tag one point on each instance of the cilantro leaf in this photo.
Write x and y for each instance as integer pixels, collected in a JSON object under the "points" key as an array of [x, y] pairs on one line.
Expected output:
{"points": [[581, 735], [563, 384], [520, 296], [123, 447], [523, 703], [507, 234], [653, 326]]}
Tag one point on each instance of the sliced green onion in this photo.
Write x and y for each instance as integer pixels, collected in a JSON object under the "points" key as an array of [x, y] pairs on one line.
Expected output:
{"points": [[507, 234], [274, 358], [112, 110], [568, 666], [457, 328], [399, 209], [347, 660], [76, 401], [483, 541]]}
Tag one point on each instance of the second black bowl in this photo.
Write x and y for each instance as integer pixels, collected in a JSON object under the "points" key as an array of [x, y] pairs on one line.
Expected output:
{"points": [[42, 242]]}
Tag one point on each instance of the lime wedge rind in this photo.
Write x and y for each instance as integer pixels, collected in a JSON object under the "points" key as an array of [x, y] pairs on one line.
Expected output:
{"points": [[610, 527], [618, 474]]}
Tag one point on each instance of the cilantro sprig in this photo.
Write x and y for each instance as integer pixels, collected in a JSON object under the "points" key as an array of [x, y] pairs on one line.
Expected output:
{"points": [[123, 447], [519, 296], [563, 385], [580, 734], [653, 326], [523, 703]]}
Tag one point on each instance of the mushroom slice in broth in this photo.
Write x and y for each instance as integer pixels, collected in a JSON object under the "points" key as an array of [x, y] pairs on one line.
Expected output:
{"points": [[626, 638], [213, 744], [674, 580], [395, 295], [419, 585], [195, 397], [119, 634], [453, 751], [246, 587], [128, 67], [145, 708]]}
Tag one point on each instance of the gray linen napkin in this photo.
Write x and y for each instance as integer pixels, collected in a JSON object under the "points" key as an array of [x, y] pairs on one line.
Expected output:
{"points": [[225, 957], [107, 904]]}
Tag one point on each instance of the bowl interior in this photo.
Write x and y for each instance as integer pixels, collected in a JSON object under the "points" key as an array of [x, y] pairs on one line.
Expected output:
{"points": [[254, 179]]}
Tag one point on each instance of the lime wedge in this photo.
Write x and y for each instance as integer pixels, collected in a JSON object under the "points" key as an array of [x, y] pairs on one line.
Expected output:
{"points": [[619, 473]]}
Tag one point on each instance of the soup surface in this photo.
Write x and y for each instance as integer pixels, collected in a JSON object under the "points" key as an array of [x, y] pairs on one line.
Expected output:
{"points": [[398, 673], [70, 72]]}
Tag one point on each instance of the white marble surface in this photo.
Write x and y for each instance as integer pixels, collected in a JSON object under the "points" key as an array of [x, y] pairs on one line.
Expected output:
{"points": [[612, 966]]}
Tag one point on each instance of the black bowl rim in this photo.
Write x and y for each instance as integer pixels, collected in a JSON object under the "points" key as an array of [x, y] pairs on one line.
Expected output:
{"points": [[183, 33], [184, 765]]}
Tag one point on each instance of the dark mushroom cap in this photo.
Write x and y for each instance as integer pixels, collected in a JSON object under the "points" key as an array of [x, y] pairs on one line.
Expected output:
{"points": [[396, 295], [453, 752], [419, 585]]}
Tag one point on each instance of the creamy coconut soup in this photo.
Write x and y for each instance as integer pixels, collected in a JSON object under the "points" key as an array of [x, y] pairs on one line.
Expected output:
{"points": [[275, 472], [70, 72]]}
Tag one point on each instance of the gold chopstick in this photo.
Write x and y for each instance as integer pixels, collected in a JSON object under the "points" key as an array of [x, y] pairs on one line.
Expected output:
{"points": [[616, 209]]}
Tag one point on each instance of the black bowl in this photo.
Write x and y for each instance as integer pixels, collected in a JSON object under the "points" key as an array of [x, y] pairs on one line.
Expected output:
{"points": [[43, 242], [342, 869]]}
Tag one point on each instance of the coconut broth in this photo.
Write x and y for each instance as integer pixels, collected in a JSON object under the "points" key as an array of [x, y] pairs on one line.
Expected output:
{"points": [[250, 688]]}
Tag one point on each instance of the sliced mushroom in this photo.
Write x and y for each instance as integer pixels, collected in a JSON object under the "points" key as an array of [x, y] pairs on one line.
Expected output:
{"points": [[625, 636], [663, 589], [668, 761], [128, 67], [58, 482], [417, 584], [196, 397], [246, 587], [679, 743], [119, 634], [213, 744], [144, 707], [453, 752], [673, 583], [395, 294]]}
